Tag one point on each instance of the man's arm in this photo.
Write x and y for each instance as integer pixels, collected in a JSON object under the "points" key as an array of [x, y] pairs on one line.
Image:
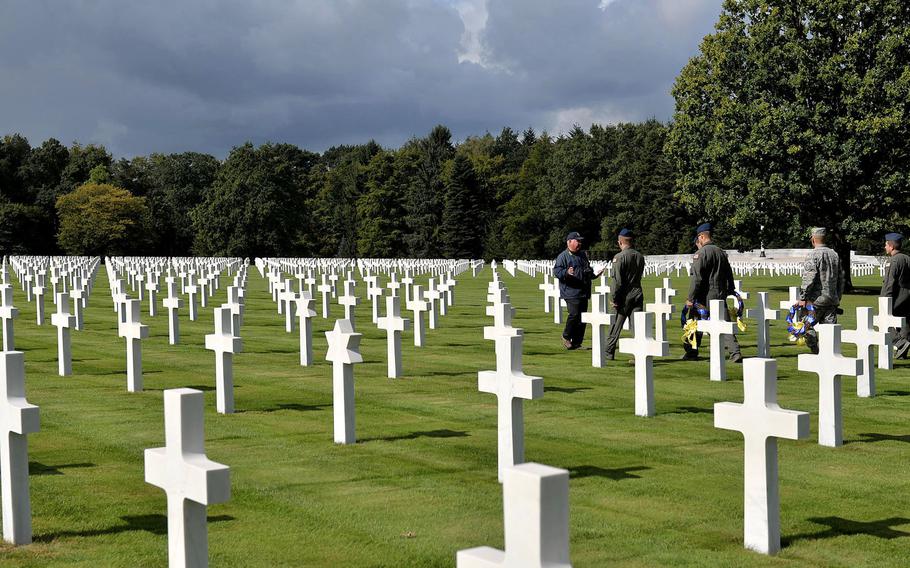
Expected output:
{"points": [[696, 281], [888, 282], [810, 273], [620, 279], [560, 268]]}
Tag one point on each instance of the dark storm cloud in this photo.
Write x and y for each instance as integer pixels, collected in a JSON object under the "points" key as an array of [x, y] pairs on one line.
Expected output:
{"points": [[208, 75]]}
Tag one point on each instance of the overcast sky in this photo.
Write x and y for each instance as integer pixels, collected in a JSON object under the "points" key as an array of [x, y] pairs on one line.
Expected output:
{"points": [[207, 75]]}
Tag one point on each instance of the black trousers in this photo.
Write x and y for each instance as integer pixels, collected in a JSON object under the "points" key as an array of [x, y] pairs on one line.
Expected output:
{"points": [[575, 328], [623, 313]]}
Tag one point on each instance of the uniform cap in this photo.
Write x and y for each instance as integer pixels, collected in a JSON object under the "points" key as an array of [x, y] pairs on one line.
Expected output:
{"points": [[894, 237], [703, 228], [819, 232], [625, 233]]}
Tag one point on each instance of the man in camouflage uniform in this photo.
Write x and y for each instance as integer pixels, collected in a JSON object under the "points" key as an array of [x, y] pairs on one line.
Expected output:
{"points": [[896, 285], [628, 298], [711, 279], [822, 285]]}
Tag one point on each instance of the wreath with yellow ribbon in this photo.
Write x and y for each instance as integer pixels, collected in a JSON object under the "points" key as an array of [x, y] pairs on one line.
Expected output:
{"points": [[798, 322], [690, 324]]}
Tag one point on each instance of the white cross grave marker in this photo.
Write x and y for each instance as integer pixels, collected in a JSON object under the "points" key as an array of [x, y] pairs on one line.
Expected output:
{"points": [[344, 352], [350, 301], [134, 332], [394, 324], [18, 418], [190, 480], [305, 313], [884, 321], [644, 347], [762, 315], [599, 317], [865, 338], [662, 310], [8, 313], [325, 289], [511, 387], [173, 302], [792, 298], [717, 327], [761, 422], [418, 305], [536, 521], [63, 321], [224, 343], [829, 365]]}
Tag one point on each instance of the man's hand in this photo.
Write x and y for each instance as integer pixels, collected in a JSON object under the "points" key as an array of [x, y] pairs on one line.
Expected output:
{"points": [[801, 303], [689, 303], [571, 271], [599, 273], [615, 305]]}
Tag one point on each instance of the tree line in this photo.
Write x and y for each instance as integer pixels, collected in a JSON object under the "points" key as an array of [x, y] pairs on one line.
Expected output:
{"points": [[791, 115]]}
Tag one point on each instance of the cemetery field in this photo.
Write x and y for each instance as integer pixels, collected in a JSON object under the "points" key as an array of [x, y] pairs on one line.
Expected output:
{"points": [[421, 483]]}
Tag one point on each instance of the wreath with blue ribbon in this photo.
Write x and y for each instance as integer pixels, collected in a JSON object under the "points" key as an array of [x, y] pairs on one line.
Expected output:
{"points": [[738, 314], [799, 321], [690, 324]]}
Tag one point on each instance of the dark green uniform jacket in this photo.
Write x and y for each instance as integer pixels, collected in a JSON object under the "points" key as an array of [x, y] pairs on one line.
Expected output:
{"points": [[712, 277], [628, 267], [897, 283]]}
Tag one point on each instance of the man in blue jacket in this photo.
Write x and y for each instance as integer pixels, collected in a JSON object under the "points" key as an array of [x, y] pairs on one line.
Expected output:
{"points": [[575, 275]]}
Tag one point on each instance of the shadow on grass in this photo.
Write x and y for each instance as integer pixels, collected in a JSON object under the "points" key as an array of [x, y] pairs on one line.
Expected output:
{"points": [[616, 474], [155, 524], [838, 526], [204, 388], [566, 390], [424, 434], [692, 410], [895, 393], [38, 468], [873, 437], [865, 291], [291, 406]]}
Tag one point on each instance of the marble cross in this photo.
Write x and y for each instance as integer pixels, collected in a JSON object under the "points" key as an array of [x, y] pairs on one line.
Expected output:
{"points": [[644, 347], [18, 418], [344, 353], [511, 386], [599, 317], [865, 338], [761, 422], [151, 285], [717, 327], [325, 289], [350, 301], [829, 365], [662, 310], [224, 343], [173, 302], [191, 481], [64, 322], [192, 291], [762, 315], [792, 298], [536, 521], [7, 313], [418, 305], [884, 321], [394, 324], [305, 313], [134, 332], [287, 299], [39, 298]]}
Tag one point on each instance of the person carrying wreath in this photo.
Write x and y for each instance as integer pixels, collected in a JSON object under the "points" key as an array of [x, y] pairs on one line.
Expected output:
{"points": [[711, 279], [822, 284]]}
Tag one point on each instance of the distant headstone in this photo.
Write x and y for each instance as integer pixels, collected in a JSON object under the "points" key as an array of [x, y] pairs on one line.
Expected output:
{"points": [[865, 338], [64, 322], [717, 327], [762, 315], [131, 329], [224, 343], [644, 347], [344, 353], [393, 324]]}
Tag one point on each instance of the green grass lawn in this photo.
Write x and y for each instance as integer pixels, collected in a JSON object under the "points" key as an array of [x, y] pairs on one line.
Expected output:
{"points": [[421, 482]]}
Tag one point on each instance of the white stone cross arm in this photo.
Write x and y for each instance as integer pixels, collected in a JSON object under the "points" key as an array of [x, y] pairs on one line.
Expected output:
{"points": [[16, 414]]}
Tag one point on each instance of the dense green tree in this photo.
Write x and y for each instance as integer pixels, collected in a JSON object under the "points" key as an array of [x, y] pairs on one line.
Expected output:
{"points": [[82, 160], [426, 191], [14, 153], [101, 219], [380, 209], [796, 114], [257, 204], [462, 228]]}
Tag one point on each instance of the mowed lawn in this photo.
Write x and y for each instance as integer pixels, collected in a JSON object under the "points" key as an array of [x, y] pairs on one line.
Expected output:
{"points": [[420, 483]]}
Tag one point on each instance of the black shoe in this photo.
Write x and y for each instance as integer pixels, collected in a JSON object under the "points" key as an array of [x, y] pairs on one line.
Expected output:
{"points": [[566, 343], [573, 347], [689, 357], [736, 357], [609, 356]]}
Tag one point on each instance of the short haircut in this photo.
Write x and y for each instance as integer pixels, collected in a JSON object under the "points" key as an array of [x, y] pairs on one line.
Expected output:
{"points": [[896, 245]]}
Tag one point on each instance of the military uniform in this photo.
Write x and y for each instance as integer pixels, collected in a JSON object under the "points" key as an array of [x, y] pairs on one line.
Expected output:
{"points": [[711, 279], [823, 286], [628, 268], [896, 285]]}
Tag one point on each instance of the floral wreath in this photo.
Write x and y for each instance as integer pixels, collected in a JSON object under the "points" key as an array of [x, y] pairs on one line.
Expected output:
{"points": [[738, 314], [798, 326], [690, 324]]}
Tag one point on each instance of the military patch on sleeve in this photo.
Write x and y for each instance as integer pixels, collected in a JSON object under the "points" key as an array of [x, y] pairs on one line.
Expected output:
{"points": [[695, 257]]}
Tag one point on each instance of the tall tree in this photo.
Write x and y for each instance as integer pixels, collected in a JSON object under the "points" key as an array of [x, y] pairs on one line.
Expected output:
{"points": [[462, 233], [101, 219], [796, 114], [426, 191], [380, 209]]}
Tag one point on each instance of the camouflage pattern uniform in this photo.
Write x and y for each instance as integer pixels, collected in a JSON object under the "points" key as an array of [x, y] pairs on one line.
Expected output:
{"points": [[823, 286]]}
